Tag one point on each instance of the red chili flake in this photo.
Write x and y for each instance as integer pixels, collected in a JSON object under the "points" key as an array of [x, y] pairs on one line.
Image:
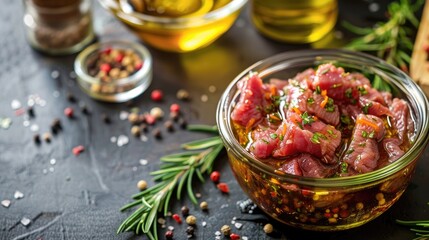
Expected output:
{"points": [[138, 65], [119, 58], [215, 176], [156, 95], [335, 210], [105, 67], [68, 111], [223, 187], [78, 150], [19, 111], [273, 194], [234, 236], [175, 108], [150, 119], [327, 215], [177, 218]]}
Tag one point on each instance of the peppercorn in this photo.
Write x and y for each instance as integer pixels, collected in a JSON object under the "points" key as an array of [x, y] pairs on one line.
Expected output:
{"points": [[105, 118], [36, 138], [156, 95], [169, 234], [56, 126], [142, 184], [149, 119], [68, 111], [190, 230], [169, 126], [135, 131], [226, 230], [185, 211], [84, 109], [182, 94], [191, 220], [30, 111], [143, 127], [174, 116], [175, 107], [177, 218], [133, 118], [183, 124], [71, 98], [215, 176], [157, 133], [268, 228], [204, 205], [47, 137], [157, 113]]}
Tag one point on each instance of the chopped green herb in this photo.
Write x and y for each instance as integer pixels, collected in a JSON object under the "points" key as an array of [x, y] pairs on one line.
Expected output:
{"points": [[371, 134], [273, 135], [362, 90], [330, 107], [348, 93], [363, 144], [350, 151], [281, 137], [318, 91], [265, 141], [310, 100], [346, 119], [365, 108], [324, 71], [306, 118], [316, 137], [365, 134], [337, 85], [344, 167]]}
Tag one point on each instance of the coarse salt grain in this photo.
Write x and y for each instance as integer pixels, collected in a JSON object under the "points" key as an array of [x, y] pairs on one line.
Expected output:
{"points": [[218, 233], [113, 139], [53, 161], [34, 127], [238, 225], [204, 224], [55, 74], [26, 123], [18, 195], [51, 169], [123, 115], [25, 221], [143, 138], [204, 98], [5, 123], [15, 104], [5, 203], [143, 162], [122, 140]]}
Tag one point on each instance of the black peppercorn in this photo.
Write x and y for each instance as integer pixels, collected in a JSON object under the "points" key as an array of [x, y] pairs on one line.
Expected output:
{"points": [[85, 109], [105, 118], [183, 124], [71, 98], [169, 126], [185, 211], [30, 112], [36, 139], [157, 133], [190, 230]]}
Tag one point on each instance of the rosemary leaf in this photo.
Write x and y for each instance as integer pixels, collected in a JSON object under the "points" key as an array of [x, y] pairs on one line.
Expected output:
{"points": [[201, 144], [203, 128], [175, 171]]}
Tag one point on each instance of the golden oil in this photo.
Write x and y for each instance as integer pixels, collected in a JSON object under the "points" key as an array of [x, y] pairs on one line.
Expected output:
{"points": [[295, 21], [183, 35]]}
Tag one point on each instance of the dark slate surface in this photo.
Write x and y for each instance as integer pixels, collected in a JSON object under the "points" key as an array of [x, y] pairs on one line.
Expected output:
{"points": [[81, 197]]}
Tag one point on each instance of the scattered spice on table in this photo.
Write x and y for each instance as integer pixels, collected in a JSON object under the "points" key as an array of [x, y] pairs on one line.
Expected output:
{"points": [[156, 95], [78, 150], [204, 206], [191, 220], [6, 203], [177, 218], [142, 185]]}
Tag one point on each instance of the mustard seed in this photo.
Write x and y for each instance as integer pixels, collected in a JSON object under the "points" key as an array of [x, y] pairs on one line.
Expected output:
{"points": [[135, 131], [191, 220], [226, 230], [204, 205], [133, 118], [268, 228]]}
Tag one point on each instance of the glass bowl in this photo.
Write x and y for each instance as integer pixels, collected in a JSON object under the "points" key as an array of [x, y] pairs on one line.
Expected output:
{"points": [[324, 204], [181, 34], [121, 89]]}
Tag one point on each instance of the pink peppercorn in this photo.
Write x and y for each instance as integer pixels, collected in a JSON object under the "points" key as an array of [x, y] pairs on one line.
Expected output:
{"points": [[107, 50], [119, 58], [169, 234], [223, 187], [150, 119], [234, 236], [156, 95], [177, 218], [78, 150], [138, 65], [215, 176], [68, 111], [105, 67], [175, 108]]}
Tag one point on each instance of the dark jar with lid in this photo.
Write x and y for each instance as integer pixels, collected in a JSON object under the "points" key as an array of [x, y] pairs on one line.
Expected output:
{"points": [[58, 26]]}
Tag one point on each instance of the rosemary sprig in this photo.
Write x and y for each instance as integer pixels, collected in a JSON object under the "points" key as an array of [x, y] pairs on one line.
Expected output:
{"points": [[176, 173], [420, 227], [391, 40]]}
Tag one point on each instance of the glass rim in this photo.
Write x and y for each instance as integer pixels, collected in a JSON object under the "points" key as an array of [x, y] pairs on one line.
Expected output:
{"points": [[81, 68], [139, 18], [399, 77]]}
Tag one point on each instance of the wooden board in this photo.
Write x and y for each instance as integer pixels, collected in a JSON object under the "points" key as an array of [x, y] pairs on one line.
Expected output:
{"points": [[419, 66]]}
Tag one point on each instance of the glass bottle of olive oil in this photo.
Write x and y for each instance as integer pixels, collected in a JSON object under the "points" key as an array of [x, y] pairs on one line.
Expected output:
{"points": [[295, 21]]}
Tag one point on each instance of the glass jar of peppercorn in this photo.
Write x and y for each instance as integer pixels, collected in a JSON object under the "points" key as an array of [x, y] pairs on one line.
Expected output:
{"points": [[58, 26]]}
